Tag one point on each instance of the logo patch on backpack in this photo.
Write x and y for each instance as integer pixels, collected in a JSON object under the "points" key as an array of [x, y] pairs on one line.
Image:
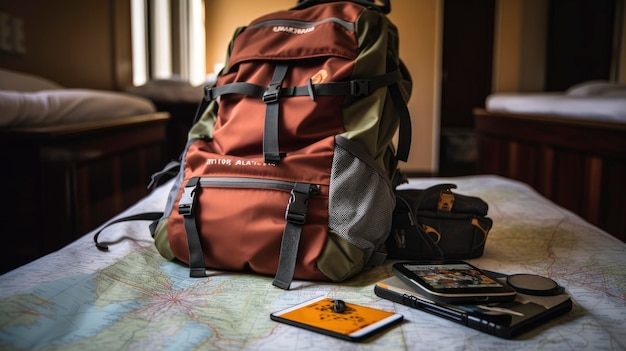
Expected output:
{"points": [[293, 30], [319, 77]]}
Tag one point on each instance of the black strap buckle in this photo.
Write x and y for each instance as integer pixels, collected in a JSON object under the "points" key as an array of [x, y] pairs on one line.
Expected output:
{"points": [[208, 93], [272, 93], [360, 87], [299, 203], [188, 200], [297, 208], [271, 158]]}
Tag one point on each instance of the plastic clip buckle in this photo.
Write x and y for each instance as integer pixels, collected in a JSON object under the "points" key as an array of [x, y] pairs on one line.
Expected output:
{"points": [[188, 200], [272, 93], [297, 208], [208, 94], [359, 87]]}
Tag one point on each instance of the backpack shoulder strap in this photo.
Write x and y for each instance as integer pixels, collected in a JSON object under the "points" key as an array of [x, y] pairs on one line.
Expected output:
{"points": [[405, 130], [385, 7]]}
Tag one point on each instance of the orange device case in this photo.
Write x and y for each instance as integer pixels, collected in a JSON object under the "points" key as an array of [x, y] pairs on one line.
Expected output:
{"points": [[355, 323]]}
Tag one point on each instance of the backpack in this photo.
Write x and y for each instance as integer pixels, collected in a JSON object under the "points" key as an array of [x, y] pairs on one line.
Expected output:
{"points": [[289, 163]]}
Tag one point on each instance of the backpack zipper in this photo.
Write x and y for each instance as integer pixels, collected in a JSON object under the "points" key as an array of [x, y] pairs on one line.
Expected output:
{"points": [[242, 182], [302, 24], [189, 199]]}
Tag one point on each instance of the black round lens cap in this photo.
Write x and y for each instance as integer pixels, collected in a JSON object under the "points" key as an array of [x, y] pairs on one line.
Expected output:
{"points": [[532, 284]]}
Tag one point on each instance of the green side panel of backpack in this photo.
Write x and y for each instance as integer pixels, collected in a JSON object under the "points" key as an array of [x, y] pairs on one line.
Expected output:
{"points": [[161, 241], [203, 129], [340, 260], [372, 120]]}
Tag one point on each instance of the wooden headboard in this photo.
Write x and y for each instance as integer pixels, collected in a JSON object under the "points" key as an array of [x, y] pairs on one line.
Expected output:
{"points": [[578, 163]]}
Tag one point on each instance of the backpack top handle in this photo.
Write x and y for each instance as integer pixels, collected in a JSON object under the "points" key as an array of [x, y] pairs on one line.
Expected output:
{"points": [[384, 8]]}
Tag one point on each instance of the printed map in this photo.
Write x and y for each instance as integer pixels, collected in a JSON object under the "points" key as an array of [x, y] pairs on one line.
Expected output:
{"points": [[133, 299]]}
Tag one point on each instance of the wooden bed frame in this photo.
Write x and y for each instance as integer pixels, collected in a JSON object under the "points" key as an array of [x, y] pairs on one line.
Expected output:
{"points": [[579, 164], [62, 181]]}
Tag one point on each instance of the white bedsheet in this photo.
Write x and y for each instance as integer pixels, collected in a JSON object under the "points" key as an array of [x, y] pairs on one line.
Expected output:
{"points": [[591, 100]]}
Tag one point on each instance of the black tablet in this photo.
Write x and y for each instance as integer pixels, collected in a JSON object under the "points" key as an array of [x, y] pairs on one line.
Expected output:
{"points": [[452, 282]]}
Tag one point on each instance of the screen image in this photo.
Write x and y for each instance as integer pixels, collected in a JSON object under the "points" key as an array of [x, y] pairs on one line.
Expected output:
{"points": [[452, 276], [320, 314]]}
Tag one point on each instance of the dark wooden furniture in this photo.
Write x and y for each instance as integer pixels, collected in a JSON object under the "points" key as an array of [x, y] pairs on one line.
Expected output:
{"points": [[579, 164], [61, 182]]}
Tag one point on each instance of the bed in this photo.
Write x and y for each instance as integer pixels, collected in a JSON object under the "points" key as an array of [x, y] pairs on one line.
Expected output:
{"points": [[570, 146], [72, 158], [131, 298]]}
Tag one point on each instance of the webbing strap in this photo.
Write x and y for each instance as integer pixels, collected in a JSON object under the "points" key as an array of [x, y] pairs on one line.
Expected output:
{"points": [[355, 87], [187, 208], [169, 171], [145, 216], [270, 131], [234, 88], [296, 217], [404, 132], [432, 246]]}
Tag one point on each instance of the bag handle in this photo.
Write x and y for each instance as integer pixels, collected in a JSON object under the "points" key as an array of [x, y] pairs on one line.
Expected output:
{"points": [[384, 8], [426, 238], [145, 216], [424, 235]]}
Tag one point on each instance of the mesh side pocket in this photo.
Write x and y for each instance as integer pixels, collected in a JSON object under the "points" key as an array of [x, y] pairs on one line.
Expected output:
{"points": [[361, 201]]}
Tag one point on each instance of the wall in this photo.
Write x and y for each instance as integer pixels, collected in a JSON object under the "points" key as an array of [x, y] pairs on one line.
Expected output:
{"points": [[520, 42], [519, 45], [418, 23], [420, 27], [75, 43]]}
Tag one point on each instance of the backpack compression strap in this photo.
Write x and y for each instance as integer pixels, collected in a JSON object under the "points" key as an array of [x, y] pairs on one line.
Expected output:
{"points": [[270, 131], [187, 208], [357, 87], [295, 216]]}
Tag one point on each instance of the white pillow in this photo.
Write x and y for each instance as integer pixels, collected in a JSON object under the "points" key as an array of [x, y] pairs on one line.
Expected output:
{"points": [[594, 87], [64, 106], [16, 81]]}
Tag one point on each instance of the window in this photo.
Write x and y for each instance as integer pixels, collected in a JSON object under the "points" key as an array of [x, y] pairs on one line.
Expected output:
{"points": [[168, 40]]}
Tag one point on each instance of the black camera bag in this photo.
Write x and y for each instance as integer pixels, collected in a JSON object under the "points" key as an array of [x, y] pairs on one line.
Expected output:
{"points": [[436, 223]]}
